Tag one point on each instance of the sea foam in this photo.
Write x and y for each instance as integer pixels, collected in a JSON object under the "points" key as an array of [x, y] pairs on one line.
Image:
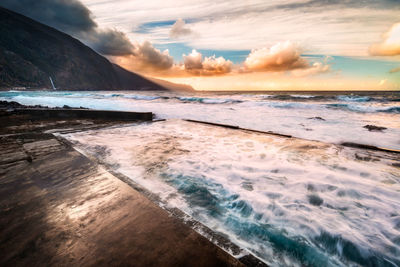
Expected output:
{"points": [[288, 201]]}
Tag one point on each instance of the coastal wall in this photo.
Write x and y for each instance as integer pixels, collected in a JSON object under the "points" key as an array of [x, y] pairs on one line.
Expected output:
{"points": [[84, 114]]}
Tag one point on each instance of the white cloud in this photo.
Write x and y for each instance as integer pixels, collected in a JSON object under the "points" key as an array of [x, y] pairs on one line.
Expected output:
{"points": [[179, 29], [390, 46]]}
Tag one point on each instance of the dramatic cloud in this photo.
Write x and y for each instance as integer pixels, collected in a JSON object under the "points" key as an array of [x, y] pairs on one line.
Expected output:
{"points": [[195, 65], [72, 17], [280, 57], [146, 58], [69, 16], [390, 46], [110, 42], [179, 29], [151, 57]]}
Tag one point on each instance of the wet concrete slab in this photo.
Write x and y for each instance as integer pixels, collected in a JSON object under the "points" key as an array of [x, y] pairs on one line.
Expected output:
{"points": [[59, 208]]}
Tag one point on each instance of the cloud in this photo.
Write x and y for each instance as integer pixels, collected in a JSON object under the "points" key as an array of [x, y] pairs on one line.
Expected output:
{"points": [[315, 68], [194, 64], [382, 4], [217, 65], [390, 46], [110, 42], [193, 61], [74, 18], [395, 70], [146, 58], [280, 57], [332, 26], [66, 15], [179, 29], [151, 57]]}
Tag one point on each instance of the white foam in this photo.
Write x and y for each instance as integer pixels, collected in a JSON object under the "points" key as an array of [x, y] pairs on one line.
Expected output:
{"points": [[274, 177]]}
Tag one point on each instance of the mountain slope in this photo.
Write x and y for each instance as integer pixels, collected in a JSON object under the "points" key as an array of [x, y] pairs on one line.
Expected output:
{"points": [[30, 52]]}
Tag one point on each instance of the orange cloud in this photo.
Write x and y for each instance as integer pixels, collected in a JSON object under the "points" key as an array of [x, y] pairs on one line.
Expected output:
{"points": [[144, 57], [280, 57], [390, 46]]}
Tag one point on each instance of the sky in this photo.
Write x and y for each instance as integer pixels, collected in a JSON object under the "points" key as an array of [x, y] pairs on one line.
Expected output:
{"points": [[239, 44]]}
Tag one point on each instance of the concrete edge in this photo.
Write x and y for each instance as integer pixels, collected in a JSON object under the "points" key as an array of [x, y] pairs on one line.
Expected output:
{"points": [[41, 113]]}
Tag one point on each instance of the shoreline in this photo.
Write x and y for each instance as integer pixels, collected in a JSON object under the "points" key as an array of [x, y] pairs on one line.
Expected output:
{"points": [[283, 92]]}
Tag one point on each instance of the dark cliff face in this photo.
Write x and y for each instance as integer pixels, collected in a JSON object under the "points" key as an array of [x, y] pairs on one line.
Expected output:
{"points": [[30, 52]]}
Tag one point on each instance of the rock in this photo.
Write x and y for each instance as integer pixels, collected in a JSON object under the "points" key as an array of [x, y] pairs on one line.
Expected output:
{"points": [[316, 118], [11, 104], [374, 128], [396, 165], [315, 200]]}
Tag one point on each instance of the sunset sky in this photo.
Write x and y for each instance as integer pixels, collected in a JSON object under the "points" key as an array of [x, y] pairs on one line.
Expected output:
{"points": [[239, 45]]}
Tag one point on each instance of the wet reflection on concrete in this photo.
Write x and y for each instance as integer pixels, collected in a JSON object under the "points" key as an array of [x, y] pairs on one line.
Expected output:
{"points": [[59, 208]]}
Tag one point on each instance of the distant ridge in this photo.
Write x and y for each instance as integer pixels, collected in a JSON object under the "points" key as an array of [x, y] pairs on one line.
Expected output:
{"points": [[31, 52]]}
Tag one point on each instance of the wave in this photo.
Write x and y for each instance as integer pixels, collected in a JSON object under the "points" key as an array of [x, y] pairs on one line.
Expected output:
{"points": [[205, 100], [244, 222], [142, 97], [355, 98], [342, 98], [347, 98], [299, 97], [346, 249], [391, 110], [364, 109]]}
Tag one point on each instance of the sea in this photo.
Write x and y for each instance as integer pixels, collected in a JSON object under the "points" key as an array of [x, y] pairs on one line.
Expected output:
{"points": [[301, 201]]}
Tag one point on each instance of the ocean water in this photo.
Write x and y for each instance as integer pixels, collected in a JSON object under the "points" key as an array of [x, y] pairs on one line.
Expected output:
{"points": [[290, 202], [332, 118]]}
